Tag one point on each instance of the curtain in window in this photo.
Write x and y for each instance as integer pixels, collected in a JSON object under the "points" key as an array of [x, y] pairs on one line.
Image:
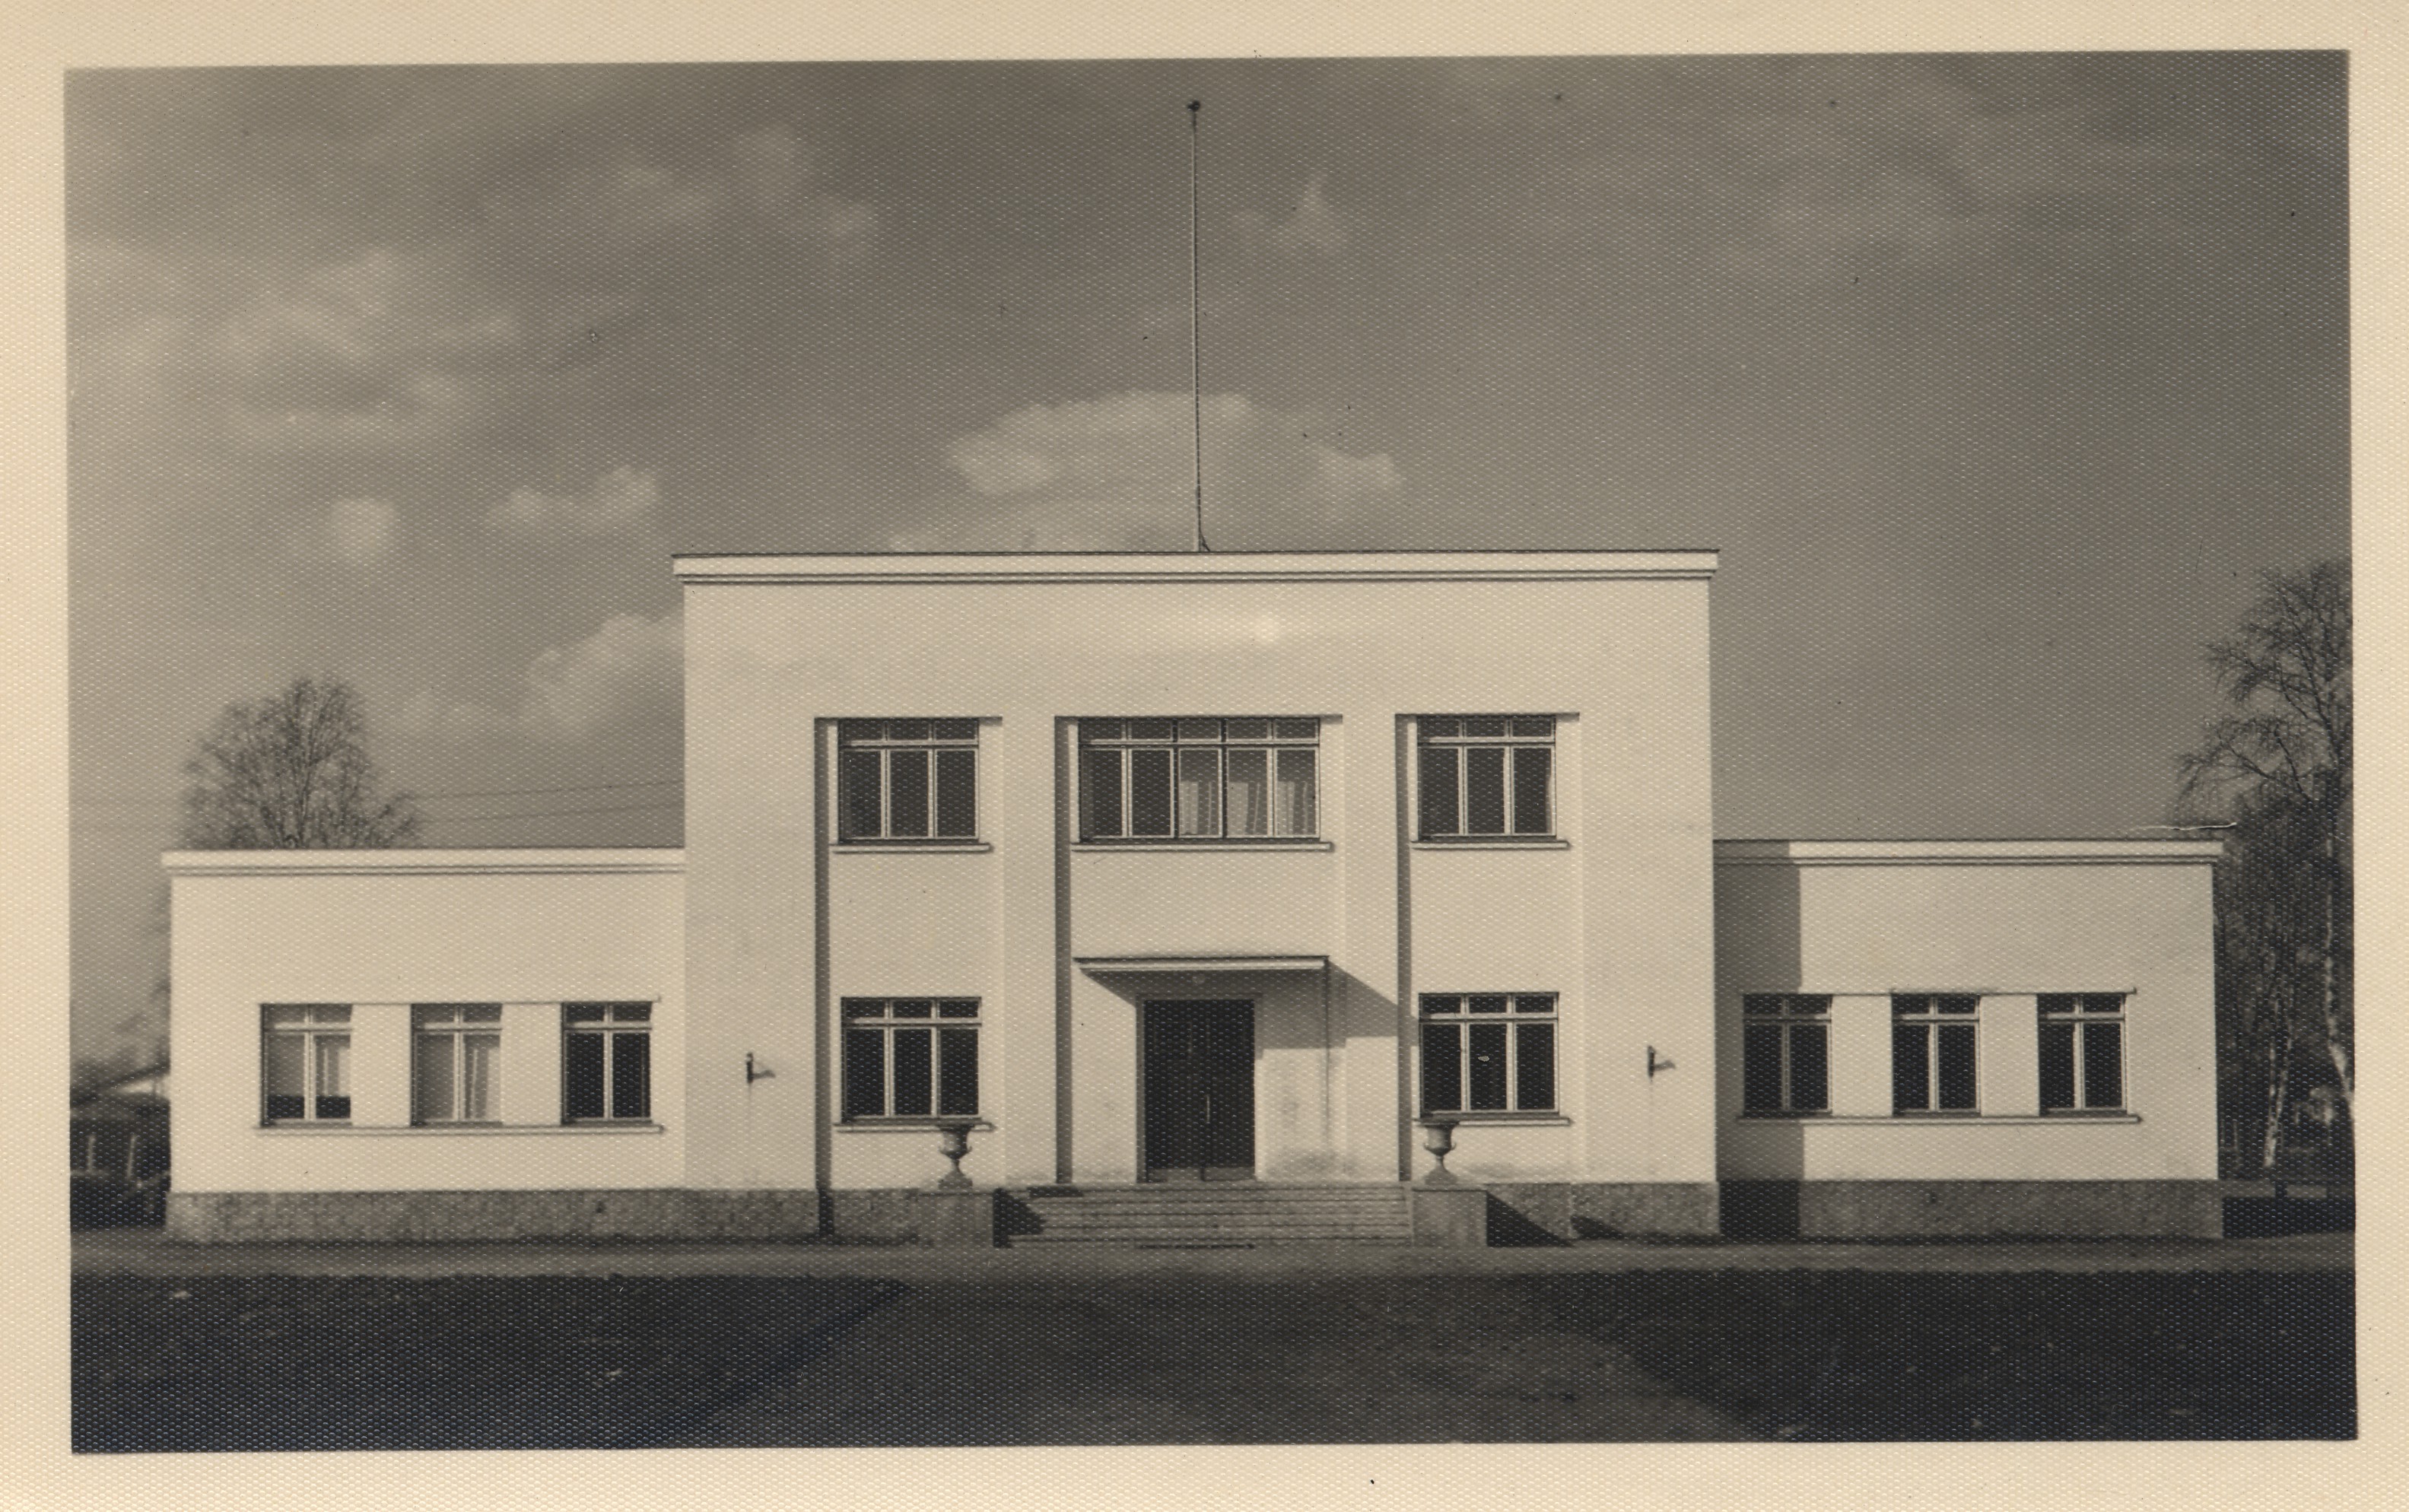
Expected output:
{"points": [[333, 1053], [1200, 791], [1249, 792], [1292, 794], [281, 1074]]}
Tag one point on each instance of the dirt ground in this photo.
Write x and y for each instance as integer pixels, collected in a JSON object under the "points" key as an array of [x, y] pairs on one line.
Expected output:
{"points": [[911, 1352]]}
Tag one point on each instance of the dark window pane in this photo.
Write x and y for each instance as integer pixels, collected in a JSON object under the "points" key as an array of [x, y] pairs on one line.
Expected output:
{"points": [[865, 1072], [1536, 1004], [1485, 725], [1533, 724], [2103, 1002], [1440, 729], [1149, 792], [907, 794], [1809, 1073], [1296, 730], [849, 730], [631, 1076], [856, 779], [1488, 1089], [1200, 729], [1911, 1074], [1436, 1002], [864, 1008], [1442, 1074], [1957, 1066], [1531, 767], [581, 1092], [911, 1008], [1099, 793], [1484, 790], [958, 1008], [958, 1070], [1535, 1065], [1247, 729], [1958, 1005], [282, 1070], [1760, 1002], [913, 1064], [907, 729], [2103, 1065], [334, 1107], [956, 794], [1485, 1004], [1761, 1068], [2057, 1066], [285, 1106], [1150, 729], [954, 729], [2057, 1002], [1440, 813]]}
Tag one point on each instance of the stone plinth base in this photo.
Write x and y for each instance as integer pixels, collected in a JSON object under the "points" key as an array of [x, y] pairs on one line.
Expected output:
{"points": [[1450, 1217], [956, 1219], [1973, 1209], [1554, 1212], [647, 1213]]}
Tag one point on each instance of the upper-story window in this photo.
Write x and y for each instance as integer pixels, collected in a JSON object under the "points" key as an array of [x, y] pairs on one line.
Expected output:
{"points": [[2081, 1052], [1199, 778], [1932, 1051], [1488, 774], [1785, 1053], [907, 779]]}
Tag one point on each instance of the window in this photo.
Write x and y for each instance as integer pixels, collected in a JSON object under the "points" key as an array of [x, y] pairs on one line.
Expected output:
{"points": [[305, 1063], [1932, 1053], [2081, 1052], [910, 1056], [1198, 779], [1785, 1053], [455, 1059], [907, 779], [606, 1061], [1488, 774], [1489, 1052]]}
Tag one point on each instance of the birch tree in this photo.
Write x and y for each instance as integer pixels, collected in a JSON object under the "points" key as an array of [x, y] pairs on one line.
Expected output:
{"points": [[292, 771]]}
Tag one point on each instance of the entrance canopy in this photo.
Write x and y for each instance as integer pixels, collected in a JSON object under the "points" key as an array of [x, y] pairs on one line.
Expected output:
{"points": [[1197, 965]]}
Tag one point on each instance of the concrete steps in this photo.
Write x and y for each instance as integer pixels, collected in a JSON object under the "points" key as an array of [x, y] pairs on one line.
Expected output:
{"points": [[1209, 1216]]}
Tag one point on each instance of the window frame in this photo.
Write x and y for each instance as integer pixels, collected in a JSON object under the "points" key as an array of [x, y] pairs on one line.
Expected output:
{"points": [[308, 1032], [880, 1015], [1454, 733], [1931, 1019], [942, 736], [1116, 738], [464, 1021], [1789, 1013], [615, 1024], [1514, 1017], [2077, 1013]]}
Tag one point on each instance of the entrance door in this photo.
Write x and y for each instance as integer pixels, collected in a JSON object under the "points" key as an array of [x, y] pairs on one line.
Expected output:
{"points": [[1199, 1091]]}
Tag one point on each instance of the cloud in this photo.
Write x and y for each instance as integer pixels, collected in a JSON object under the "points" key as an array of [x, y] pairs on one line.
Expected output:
{"points": [[1313, 231], [629, 670], [353, 532], [622, 502], [632, 214], [1115, 474]]}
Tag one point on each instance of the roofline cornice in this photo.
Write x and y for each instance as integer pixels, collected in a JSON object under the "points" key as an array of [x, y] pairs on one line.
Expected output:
{"points": [[414, 861], [1206, 566]]}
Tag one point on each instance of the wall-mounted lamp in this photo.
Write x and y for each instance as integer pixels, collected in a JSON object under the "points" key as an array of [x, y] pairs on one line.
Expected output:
{"points": [[754, 1073], [1657, 1063]]}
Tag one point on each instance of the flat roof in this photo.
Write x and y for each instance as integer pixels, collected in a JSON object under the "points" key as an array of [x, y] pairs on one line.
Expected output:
{"points": [[2112, 850], [1196, 567], [425, 861]]}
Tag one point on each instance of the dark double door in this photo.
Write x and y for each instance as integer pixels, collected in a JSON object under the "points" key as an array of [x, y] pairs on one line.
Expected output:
{"points": [[1199, 1091]]}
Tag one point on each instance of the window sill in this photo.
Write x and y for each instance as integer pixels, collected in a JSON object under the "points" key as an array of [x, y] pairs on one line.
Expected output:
{"points": [[1542, 1120], [1494, 842], [924, 847], [1915, 1120], [1300, 844], [418, 1131], [912, 1124]]}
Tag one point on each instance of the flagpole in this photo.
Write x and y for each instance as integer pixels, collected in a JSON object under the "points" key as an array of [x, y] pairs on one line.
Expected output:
{"points": [[1195, 324]]}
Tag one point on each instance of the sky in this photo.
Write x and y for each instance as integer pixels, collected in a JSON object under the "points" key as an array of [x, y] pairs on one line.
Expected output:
{"points": [[1998, 380]]}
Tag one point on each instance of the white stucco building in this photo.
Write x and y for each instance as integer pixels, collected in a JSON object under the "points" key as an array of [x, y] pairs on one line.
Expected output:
{"points": [[1158, 869]]}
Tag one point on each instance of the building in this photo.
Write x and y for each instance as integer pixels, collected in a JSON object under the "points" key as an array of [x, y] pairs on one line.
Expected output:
{"points": [[1139, 868]]}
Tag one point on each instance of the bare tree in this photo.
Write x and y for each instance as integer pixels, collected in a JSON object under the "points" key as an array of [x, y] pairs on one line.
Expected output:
{"points": [[2278, 766], [292, 771]]}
